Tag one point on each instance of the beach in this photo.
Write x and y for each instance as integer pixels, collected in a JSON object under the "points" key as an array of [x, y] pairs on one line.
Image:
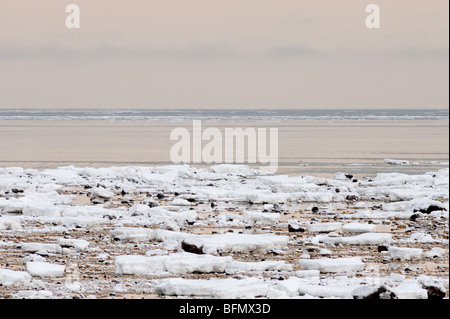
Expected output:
{"points": [[227, 231]]}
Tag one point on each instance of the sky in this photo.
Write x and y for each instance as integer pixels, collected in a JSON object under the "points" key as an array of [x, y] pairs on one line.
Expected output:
{"points": [[224, 54]]}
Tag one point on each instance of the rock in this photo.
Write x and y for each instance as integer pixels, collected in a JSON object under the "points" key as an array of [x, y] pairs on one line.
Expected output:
{"points": [[373, 293], [315, 209], [277, 208], [100, 195], [191, 248], [430, 209], [383, 248], [295, 228], [351, 197], [150, 203], [435, 291]]}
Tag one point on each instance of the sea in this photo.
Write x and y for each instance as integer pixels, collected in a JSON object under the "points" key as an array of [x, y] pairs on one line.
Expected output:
{"points": [[320, 142]]}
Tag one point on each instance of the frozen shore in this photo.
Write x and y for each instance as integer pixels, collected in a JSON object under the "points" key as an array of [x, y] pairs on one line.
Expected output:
{"points": [[228, 231]]}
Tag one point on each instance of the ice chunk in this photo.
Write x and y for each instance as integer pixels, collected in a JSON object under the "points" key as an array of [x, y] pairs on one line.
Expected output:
{"points": [[363, 239], [31, 294], [267, 265], [327, 291], [182, 263], [42, 210], [338, 265], [180, 202], [396, 162], [225, 243], [436, 252], [215, 288], [359, 228], [410, 290], [405, 253], [14, 278], [132, 234], [34, 247], [78, 244], [263, 218], [323, 227], [187, 263], [101, 193], [45, 270]]}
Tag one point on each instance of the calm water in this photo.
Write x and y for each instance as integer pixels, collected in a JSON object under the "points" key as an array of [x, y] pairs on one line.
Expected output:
{"points": [[315, 142]]}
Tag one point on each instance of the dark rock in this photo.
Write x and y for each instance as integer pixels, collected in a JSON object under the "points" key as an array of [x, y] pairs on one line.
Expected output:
{"points": [[349, 176], [277, 208], [295, 228], [352, 197], [315, 209], [373, 293], [435, 292], [191, 248], [430, 209], [382, 248], [190, 222], [414, 217], [160, 196], [149, 203]]}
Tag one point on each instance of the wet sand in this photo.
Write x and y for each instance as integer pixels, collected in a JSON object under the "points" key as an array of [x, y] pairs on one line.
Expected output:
{"points": [[321, 147]]}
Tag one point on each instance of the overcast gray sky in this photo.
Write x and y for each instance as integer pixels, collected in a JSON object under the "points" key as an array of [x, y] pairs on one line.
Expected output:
{"points": [[224, 54]]}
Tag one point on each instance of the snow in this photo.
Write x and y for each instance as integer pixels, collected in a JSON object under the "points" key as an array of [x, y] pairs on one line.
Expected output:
{"points": [[337, 265]]}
